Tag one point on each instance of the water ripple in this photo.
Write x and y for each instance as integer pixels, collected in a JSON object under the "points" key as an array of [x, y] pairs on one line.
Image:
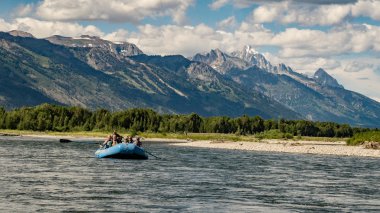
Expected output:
{"points": [[49, 176]]}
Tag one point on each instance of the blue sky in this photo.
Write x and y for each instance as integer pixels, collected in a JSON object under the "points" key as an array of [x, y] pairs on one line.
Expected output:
{"points": [[341, 36]]}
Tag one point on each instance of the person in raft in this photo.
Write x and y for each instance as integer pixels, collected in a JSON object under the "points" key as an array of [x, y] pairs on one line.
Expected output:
{"points": [[108, 142], [129, 139], [112, 140], [138, 142], [116, 138]]}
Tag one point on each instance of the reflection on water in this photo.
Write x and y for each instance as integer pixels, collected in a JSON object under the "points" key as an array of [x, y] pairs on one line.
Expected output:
{"points": [[51, 176]]}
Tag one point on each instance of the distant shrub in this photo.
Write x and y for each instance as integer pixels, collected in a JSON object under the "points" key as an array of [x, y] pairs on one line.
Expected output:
{"points": [[270, 134], [288, 136], [361, 137]]}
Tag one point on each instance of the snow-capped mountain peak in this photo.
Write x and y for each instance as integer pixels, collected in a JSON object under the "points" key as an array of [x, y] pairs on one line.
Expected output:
{"points": [[253, 58], [250, 50]]}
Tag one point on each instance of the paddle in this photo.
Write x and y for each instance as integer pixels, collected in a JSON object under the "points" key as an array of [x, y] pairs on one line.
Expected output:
{"points": [[152, 154]]}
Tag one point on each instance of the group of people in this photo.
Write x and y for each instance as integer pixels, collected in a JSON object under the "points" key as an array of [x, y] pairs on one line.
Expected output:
{"points": [[115, 139]]}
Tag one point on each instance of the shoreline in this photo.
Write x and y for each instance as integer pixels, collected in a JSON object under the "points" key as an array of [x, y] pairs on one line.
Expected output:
{"points": [[286, 146], [338, 148]]}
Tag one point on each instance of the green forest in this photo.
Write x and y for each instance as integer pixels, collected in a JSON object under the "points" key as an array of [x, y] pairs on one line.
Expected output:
{"points": [[47, 117]]}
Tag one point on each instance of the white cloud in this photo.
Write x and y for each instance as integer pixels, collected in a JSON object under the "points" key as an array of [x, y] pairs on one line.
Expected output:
{"points": [[292, 42], [368, 8], [119, 35], [172, 39], [42, 29], [357, 66], [306, 65], [345, 39], [5, 26], [217, 4], [364, 80], [131, 11], [228, 23], [288, 12], [188, 40]]}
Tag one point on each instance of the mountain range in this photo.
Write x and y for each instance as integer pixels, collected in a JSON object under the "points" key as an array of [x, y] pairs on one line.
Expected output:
{"points": [[94, 73]]}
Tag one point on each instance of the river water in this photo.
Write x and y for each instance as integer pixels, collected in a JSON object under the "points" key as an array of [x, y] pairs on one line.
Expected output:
{"points": [[47, 176]]}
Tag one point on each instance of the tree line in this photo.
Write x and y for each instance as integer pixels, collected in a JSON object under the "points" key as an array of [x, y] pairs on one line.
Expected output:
{"points": [[47, 117]]}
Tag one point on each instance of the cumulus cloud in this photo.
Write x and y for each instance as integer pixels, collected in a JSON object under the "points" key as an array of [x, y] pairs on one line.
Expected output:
{"points": [[5, 26], [187, 40], [292, 42], [119, 35], [368, 8], [228, 23], [172, 39], [42, 29], [132, 11], [345, 39], [287, 12], [216, 4], [365, 68], [357, 66]]}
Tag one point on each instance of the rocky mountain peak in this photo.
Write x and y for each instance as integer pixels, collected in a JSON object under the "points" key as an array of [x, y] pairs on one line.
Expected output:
{"points": [[20, 34], [247, 53], [250, 50], [85, 41], [253, 58], [324, 79], [217, 54]]}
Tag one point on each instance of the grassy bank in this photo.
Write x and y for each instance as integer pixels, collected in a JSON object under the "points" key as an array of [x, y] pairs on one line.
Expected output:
{"points": [[189, 136], [360, 138]]}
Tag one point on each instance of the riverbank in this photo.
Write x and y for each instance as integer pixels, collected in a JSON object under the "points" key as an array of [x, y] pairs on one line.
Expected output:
{"points": [[289, 146], [328, 146]]}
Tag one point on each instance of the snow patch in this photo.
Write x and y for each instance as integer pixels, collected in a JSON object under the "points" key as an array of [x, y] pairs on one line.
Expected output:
{"points": [[250, 50], [82, 38], [172, 88]]}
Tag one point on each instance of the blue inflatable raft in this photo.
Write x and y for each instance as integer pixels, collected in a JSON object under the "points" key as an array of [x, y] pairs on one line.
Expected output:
{"points": [[122, 151]]}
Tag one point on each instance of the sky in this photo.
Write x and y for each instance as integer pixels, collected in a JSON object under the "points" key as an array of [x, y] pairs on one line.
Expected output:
{"points": [[340, 36]]}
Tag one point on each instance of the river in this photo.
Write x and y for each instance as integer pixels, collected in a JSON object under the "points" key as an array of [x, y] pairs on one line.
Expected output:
{"points": [[47, 176]]}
